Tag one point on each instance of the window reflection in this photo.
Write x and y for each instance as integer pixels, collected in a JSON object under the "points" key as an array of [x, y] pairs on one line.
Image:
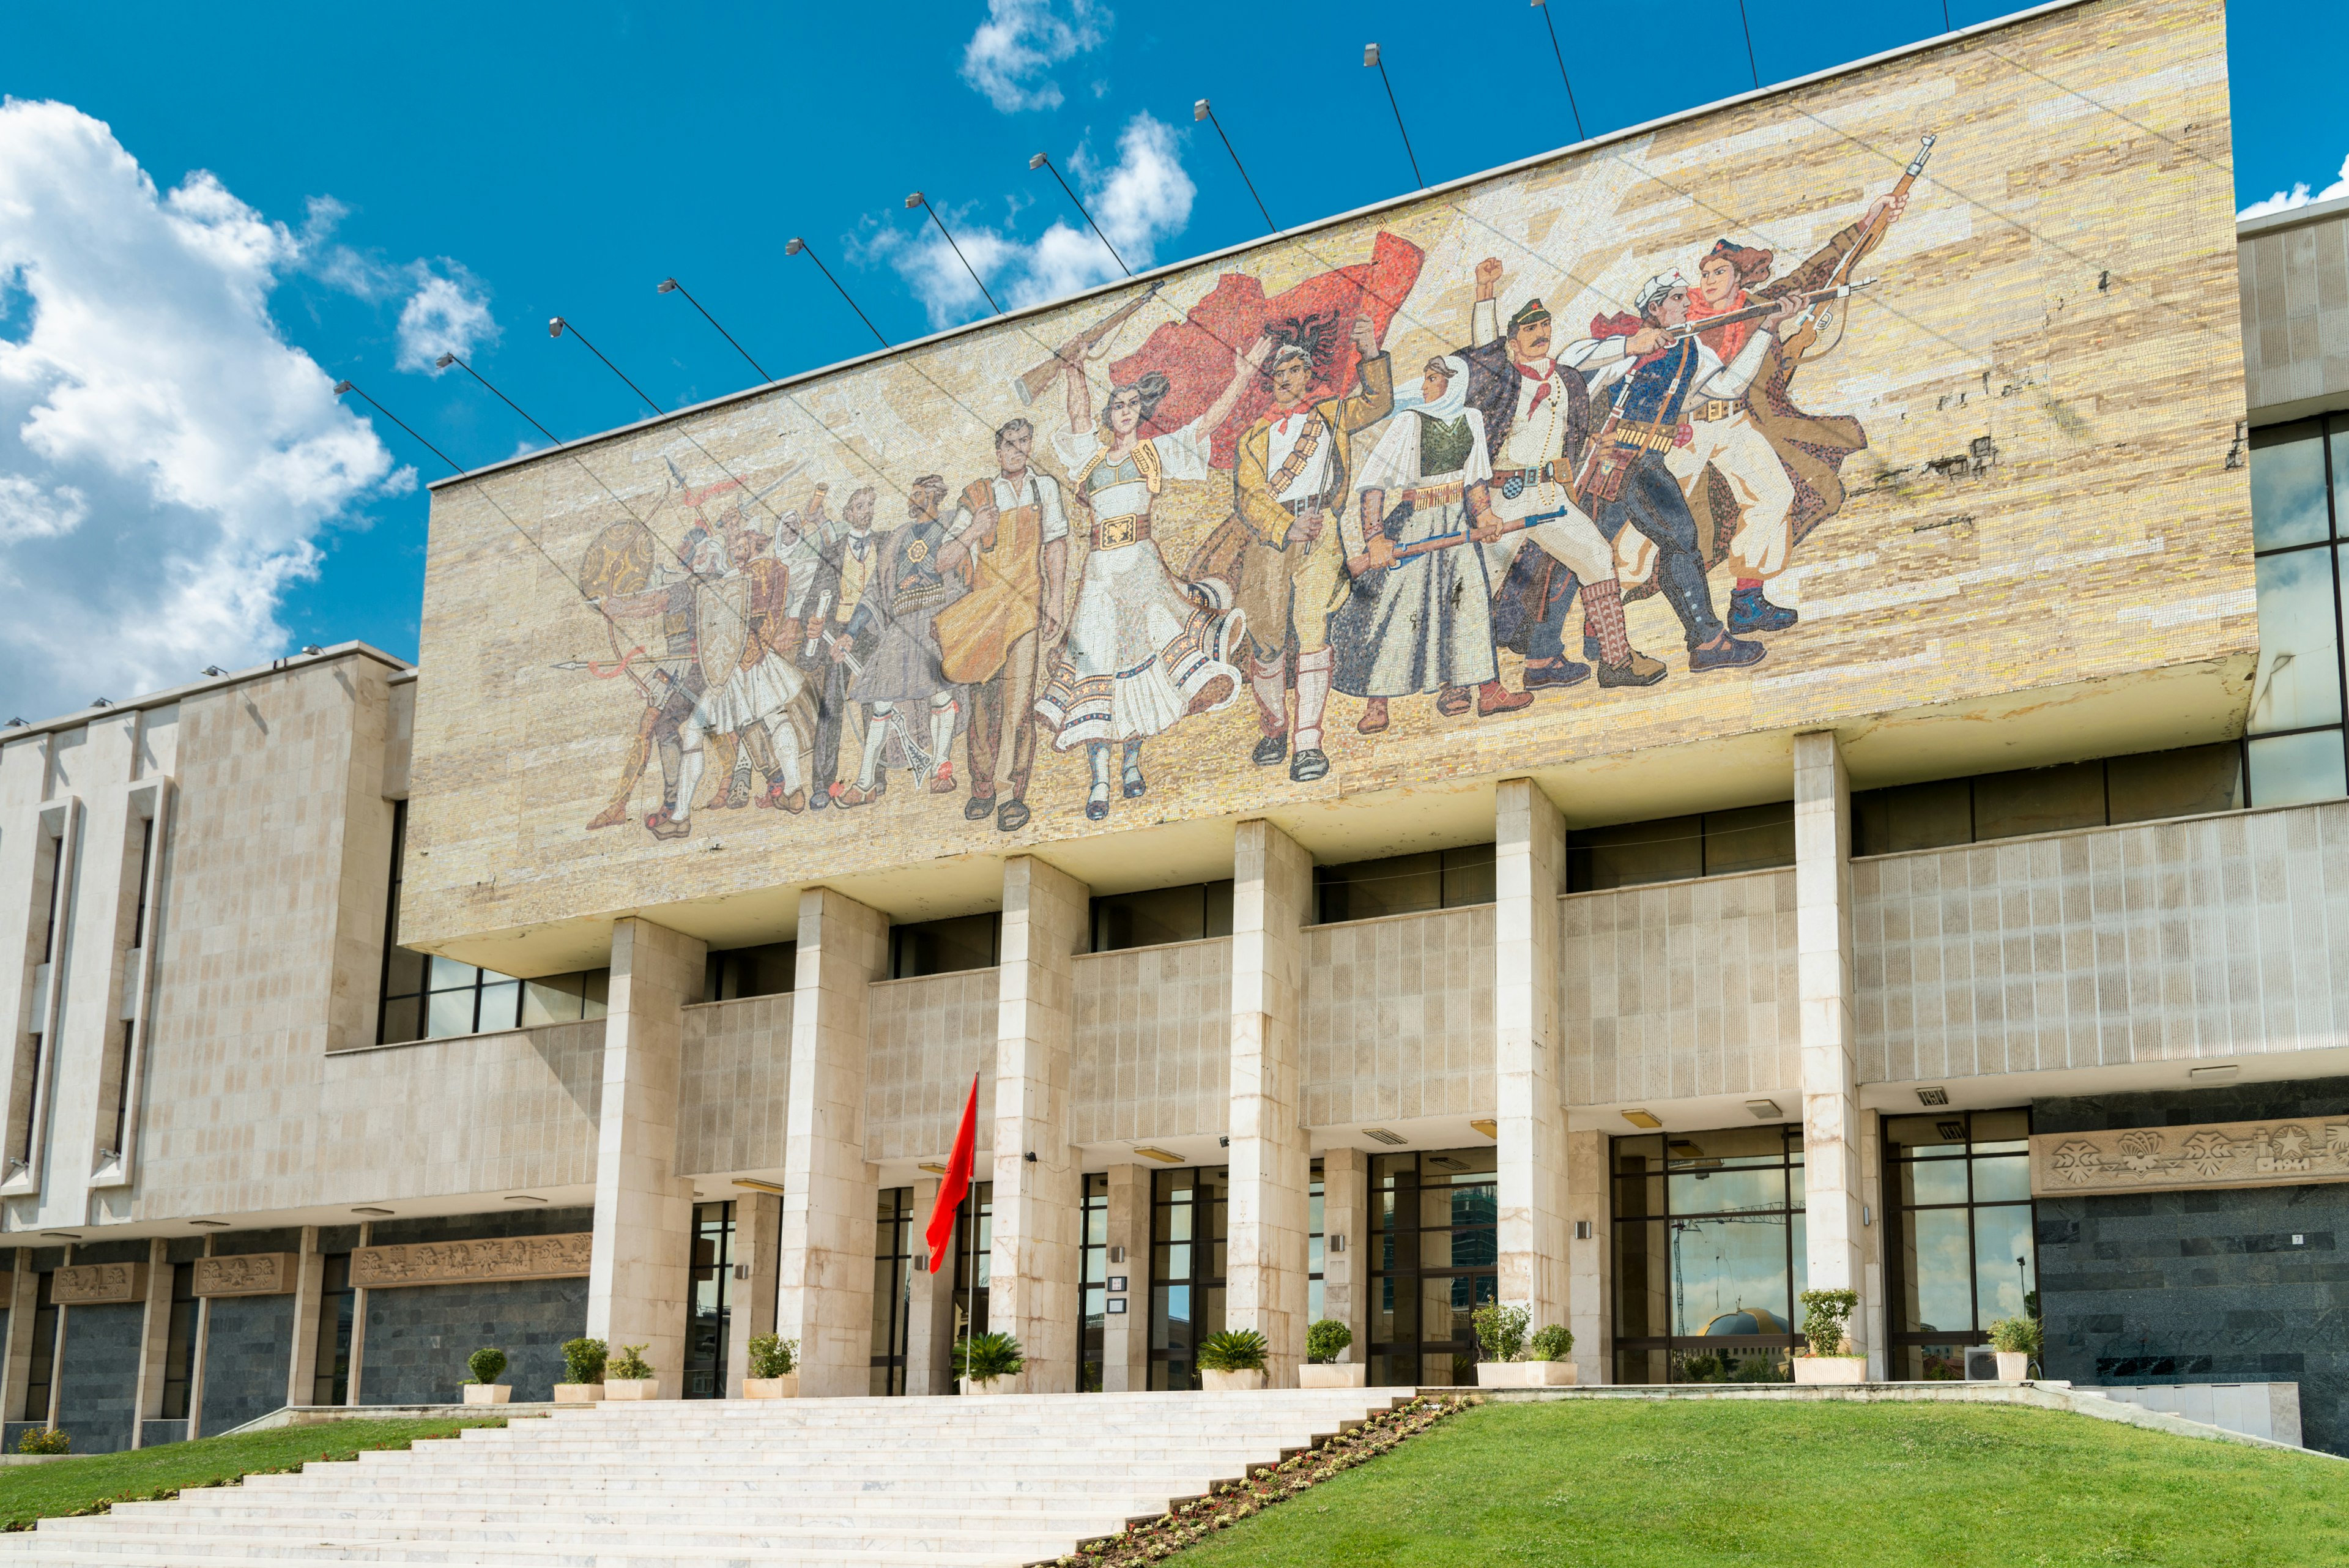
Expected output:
{"points": [[1959, 1244], [2295, 754], [1708, 1254]]}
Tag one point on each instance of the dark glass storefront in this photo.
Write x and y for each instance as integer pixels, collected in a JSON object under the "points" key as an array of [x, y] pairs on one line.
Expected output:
{"points": [[1092, 1288], [1960, 1252], [893, 1296], [1189, 1215], [1710, 1255], [712, 1285], [1433, 1219]]}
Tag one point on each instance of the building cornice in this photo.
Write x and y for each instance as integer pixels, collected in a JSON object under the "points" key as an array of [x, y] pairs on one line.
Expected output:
{"points": [[169, 695]]}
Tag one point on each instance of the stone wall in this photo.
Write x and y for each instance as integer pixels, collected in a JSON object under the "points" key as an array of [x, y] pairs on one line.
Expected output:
{"points": [[1151, 1046], [735, 1081], [2293, 270], [247, 1349], [1397, 1017], [2236, 1285], [927, 1036], [98, 1399], [417, 1336]]}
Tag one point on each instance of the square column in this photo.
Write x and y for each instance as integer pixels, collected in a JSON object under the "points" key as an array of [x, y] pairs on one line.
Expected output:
{"points": [[1264, 1271], [758, 1235], [1345, 1246], [309, 1290], [824, 1277], [640, 1277], [929, 1308], [1125, 1336], [1831, 1131], [154, 1340], [1590, 1261], [1032, 1293], [1529, 873]]}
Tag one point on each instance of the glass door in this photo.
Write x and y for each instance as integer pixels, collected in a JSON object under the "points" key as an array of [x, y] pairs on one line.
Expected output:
{"points": [[1189, 1213], [1432, 1216], [1961, 1253], [1710, 1256], [713, 1277], [892, 1295]]}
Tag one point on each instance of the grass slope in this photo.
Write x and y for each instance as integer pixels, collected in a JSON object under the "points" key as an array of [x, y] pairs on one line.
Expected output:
{"points": [[1683, 1483], [31, 1492]]}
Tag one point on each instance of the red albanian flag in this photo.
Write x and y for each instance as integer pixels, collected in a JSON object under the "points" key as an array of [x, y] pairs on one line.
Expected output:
{"points": [[1196, 353], [939, 1233]]}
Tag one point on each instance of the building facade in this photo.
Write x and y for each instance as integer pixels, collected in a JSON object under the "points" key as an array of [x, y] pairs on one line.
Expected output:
{"points": [[1368, 865]]}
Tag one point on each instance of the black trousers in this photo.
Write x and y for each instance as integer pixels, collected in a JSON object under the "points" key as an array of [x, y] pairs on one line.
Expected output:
{"points": [[830, 724], [1651, 503]]}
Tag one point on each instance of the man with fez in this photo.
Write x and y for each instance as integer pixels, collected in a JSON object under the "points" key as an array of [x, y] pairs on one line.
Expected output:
{"points": [[1008, 538], [1288, 483]]}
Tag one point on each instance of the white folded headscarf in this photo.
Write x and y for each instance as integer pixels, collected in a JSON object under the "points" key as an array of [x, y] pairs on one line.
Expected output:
{"points": [[1445, 409]]}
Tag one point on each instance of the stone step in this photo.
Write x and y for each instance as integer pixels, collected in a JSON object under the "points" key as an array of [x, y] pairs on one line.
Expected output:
{"points": [[1078, 1516], [270, 1537]]}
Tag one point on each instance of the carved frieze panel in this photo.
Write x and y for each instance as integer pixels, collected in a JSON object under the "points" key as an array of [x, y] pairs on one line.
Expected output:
{"points": [[2282, 1153], [245, 1274], [472, 1262], [99, 1284]]}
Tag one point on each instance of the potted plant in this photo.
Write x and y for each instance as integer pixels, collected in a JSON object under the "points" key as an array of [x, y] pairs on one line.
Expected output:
{"points": [[774, 1372], [631, 1375], [1232, 1361], [486, 1364], [1828, 1357], [1501, 1334], [1325, 1342], [2016, 1340], [583, 1363], [987, 1363]]}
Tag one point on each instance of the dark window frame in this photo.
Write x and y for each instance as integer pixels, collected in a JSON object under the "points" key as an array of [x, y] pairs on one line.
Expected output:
{"points": [[1388, 1278], [1899, 1338], [2328, 428]]}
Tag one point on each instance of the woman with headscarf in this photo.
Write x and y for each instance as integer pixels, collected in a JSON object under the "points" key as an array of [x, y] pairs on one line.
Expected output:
{"points": [[1418, 614], [1141, 652]]}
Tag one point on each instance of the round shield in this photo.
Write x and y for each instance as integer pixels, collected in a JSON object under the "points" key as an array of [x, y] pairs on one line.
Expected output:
{"points": [[619, 560], [721, 625]]}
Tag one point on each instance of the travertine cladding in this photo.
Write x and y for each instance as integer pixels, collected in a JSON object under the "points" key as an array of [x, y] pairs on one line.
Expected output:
{"points": [[1398, 1017], [1153, 1042], [1681, 989], [2216, 936], [928, 1035], [736, 1084], [2293, 270]]}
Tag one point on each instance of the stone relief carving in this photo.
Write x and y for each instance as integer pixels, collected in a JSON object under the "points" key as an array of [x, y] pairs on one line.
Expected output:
{"points": [[99, 1284], [471, 1262], [2170, 1159], [245, 1274]]}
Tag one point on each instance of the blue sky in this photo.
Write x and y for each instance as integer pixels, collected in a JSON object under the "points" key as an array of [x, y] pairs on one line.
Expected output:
{"points": [[477, 168]]}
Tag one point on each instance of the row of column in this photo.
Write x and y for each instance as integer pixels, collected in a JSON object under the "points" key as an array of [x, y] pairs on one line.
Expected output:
{"points": [[1553, 1184]]}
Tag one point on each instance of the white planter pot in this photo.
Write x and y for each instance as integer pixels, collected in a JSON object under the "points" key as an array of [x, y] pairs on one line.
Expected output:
{"points": [[1524, 1375], [1333, 1375], [579, 1393], [631, 1388], [487, 1393], [1830, 1369], [1232, 1382], [991, 1385], [787, 1386], [2013, 1366]]}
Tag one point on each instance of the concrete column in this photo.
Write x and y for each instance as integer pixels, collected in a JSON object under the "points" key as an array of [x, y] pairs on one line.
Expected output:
{"points": [[154, 1341], [929, 1307], [1346, 1245], [1874, 1332], [1271, 1160], [758, 1233], [1831, 1152], [640, 1278], [197, 1351], [1529, 872], [309, 1289], [57, 1349], [1590, 1259], [824, 1276], [1040, 1201], [358, 1326], [1125, 1336], [24, 1294]]}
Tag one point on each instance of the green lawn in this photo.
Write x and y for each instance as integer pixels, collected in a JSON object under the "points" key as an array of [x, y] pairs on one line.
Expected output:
{"points": [[30, 1492], [1691, 1484]]}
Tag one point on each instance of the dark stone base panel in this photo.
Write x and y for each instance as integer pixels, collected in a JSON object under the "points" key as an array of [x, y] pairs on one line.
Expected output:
{"points": [[248, 1351], [99, 1400], [155, 1434], [418, 1338]]}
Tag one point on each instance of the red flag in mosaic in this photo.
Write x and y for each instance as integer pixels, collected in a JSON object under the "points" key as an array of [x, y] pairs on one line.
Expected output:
{"points": [[940, 1233]]}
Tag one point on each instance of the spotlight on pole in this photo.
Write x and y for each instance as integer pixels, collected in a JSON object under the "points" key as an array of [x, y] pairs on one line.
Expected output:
{"points": [[795, 245], [667, 285], [352, 387], [558, 327], [1203, 109], [1579, 134], [918, 200], [670, 285], [1044, 160], [447, 360], [1371, 58], [554, 326]]}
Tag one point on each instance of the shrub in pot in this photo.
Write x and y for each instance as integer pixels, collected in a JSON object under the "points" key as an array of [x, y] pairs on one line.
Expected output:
{"points": [[582, 1364], [1232, 1361], [773, 1373], [631, 1375], [1828, 1357], [487, 1365], [2016, 1340], [988, 1362], [1326, 1341], [1516, 1359]]}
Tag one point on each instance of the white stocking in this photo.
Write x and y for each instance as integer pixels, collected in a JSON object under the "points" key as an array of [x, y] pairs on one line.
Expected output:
{"points": [[877, 740], [1312, 695]]}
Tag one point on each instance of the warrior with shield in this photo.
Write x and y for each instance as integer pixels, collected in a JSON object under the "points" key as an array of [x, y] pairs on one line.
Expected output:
{"points": [[912, 710]]}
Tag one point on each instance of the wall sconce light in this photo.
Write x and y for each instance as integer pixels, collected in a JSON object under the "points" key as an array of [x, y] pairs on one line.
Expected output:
{"points": [[1117, 1254], [1582, 1230]]}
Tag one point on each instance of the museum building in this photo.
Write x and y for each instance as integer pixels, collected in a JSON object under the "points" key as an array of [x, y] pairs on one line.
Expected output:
{"points": [[1976, 954]]}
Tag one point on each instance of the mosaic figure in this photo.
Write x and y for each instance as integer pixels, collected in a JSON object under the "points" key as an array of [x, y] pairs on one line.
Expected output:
{"points": [[847, 553], [912, 711]]}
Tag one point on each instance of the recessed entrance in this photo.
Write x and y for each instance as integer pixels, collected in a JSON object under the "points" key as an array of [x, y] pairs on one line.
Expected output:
{"points": [[1437, 1261]]}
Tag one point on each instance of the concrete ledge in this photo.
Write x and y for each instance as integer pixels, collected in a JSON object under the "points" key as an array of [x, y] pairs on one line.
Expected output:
{"points": [[321, 1415]]}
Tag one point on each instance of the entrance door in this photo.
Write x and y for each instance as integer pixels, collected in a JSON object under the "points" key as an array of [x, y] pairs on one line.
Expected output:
{"points": [[1188, 1225], [1438, 1260], [713, 1278]]}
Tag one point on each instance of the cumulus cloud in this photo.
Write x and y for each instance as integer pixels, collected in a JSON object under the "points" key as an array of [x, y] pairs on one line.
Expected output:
{"points": [[1011, 55], [2298, 196], [446, 315], [1141, 200], [166, 458]]}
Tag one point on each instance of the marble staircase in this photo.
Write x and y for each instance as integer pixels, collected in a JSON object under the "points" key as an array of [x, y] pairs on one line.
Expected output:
{"points": [[861, 1483]]}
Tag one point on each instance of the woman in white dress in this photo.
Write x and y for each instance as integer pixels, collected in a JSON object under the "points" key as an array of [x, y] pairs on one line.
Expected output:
{"points": [[1143, 649]]}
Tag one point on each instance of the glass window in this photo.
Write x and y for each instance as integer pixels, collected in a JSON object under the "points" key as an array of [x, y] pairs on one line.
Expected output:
{"points": [[1092, 1289], [974, 1255], [2038, 800], [1161, 915], [2296, 695], [1190, 1214], [179, 1342], [943, 947], [711, 1282], [2292, 770], [426, 996], [1709, 1256], [1959, 1238], [1315, 1251], [331, 1383], [2299, 680], [2288, 486], [893, 1289], [768, 969], [1664, 850], [1751, 839], [2192, 781], [1435, 1260], [1403, 884]]}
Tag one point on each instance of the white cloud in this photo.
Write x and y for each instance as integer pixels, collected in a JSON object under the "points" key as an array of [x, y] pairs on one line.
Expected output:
{"points": [[1010, 57], [447, 314], [166, 458], [2298, 196], [1141, 200]]}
